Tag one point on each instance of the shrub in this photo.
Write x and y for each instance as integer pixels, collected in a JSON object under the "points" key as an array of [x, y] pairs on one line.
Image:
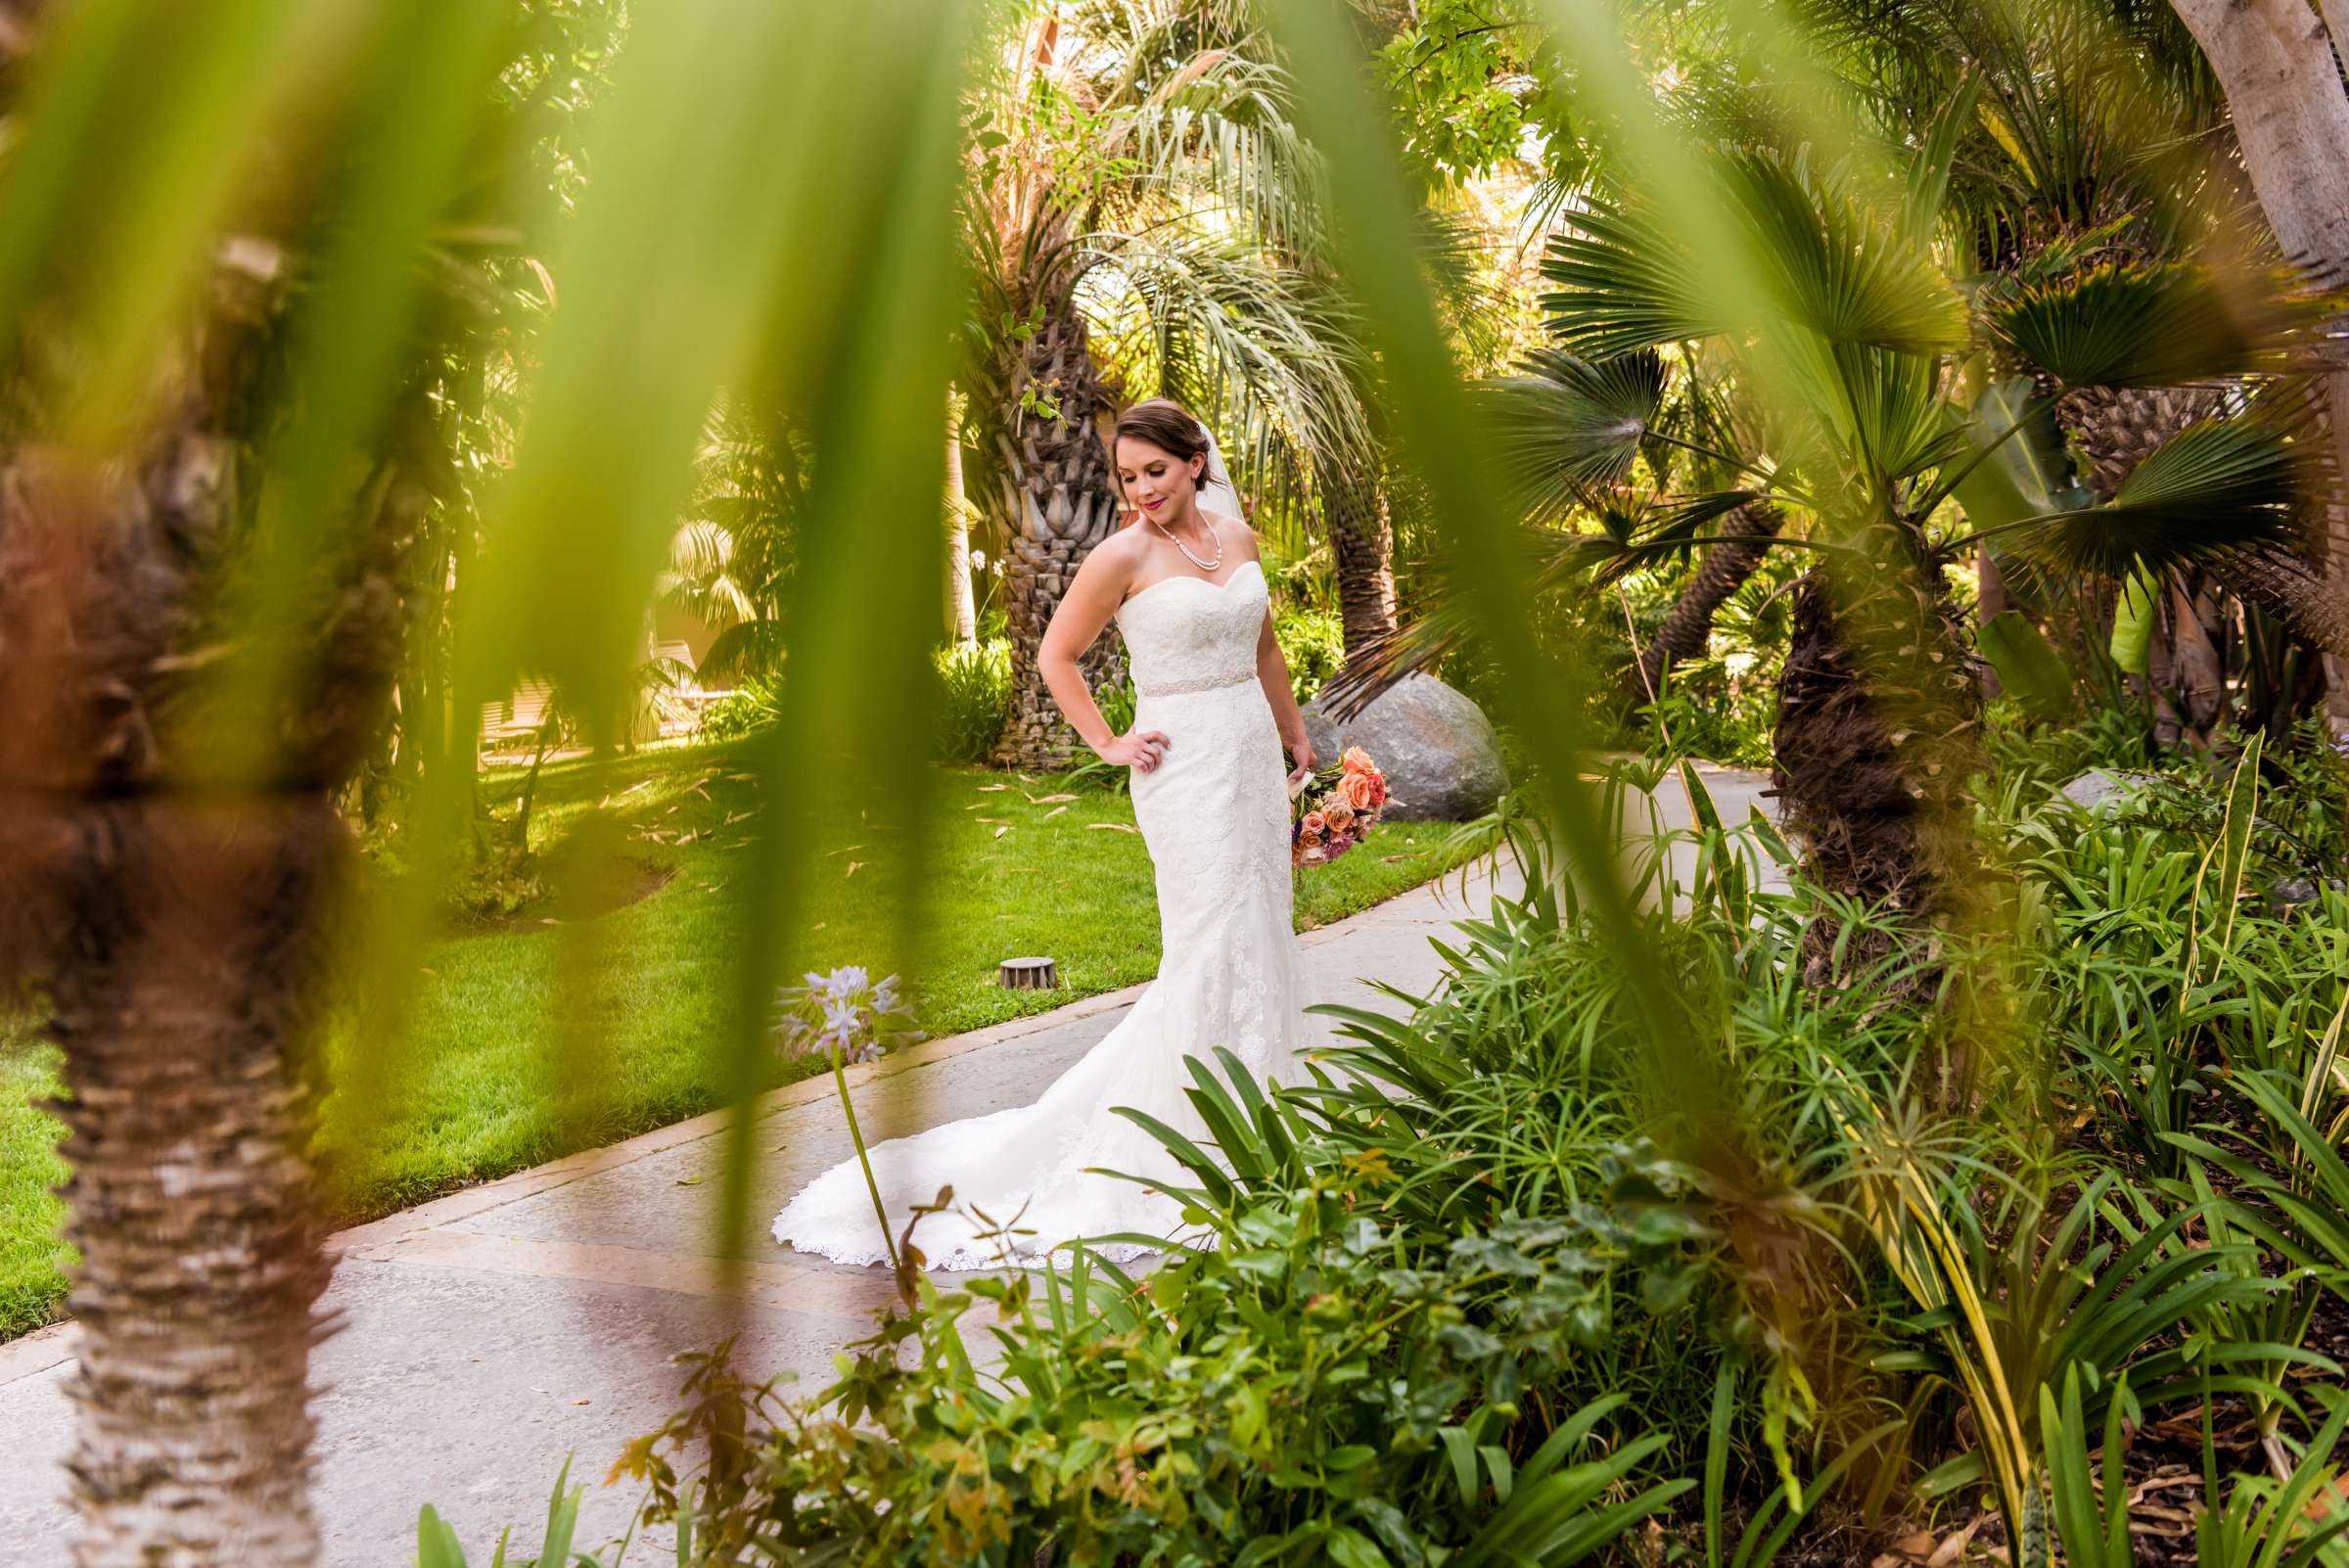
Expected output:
{"points": [[976, 700], [1319, 1387], [753, 705], [1313, 641]]}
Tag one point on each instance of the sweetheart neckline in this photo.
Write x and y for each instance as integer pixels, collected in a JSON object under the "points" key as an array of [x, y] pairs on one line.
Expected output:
{"points": [[1185, 577]]}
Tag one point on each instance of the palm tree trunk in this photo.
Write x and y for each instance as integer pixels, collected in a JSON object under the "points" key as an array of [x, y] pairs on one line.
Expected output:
{"points": [[176, 936], [1062, 499], [1879, 716], [183, 1021], [1689, 626], [1361, 546], [2199, 672], [2275, 59], [2118, 428], [962, 616]]}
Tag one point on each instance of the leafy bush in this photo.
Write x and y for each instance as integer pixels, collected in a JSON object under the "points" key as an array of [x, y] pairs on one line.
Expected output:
{"points": [[976, 699], [753, 705], [1313, 641], [1318, 1387], [1475, 1287]]}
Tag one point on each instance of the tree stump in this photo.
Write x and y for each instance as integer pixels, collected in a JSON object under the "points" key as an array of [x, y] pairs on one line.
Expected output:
{"points": [[1028, 974]]}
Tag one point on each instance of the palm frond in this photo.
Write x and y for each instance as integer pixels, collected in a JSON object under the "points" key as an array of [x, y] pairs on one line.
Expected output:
{"points": [[1248, 344], [1567, 426], [1446, 618], [1626, 285], [2162, 326], [1823, 261], [745, 648], [2214, 488]]}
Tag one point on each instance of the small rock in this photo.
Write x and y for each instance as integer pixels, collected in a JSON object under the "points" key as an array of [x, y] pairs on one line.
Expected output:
{"points": [[2097, 790], [2287, 893]]}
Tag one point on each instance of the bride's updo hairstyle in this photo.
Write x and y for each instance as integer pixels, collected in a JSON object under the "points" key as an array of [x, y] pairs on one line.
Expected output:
{"points": [[1167, 426]]}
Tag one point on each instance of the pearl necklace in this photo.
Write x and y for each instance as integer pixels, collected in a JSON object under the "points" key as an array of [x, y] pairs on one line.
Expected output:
{"points": [[1207, 566]]}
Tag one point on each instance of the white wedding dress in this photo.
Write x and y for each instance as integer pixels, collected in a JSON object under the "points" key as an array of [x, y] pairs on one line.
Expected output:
{"points": [[1214, 815]]}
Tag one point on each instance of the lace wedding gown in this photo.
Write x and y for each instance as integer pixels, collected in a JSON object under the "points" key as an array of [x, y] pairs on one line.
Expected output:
{"points": [[1214, 815]]}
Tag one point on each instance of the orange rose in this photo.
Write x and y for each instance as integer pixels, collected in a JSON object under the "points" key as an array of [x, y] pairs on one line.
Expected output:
{"points": [[1360, 791], [1339, 814], [1315, 824], [1356, 760]]}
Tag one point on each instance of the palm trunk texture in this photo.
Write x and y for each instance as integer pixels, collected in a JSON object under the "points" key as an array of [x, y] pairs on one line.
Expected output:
{"points": [[173, 926], [2276, 62], [1061, 500], [1689, 626], [1879, 718], [1362, 547]]}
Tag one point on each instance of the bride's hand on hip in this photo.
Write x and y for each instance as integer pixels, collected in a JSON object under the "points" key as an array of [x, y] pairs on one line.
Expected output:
{"points": [[1140, 750]]}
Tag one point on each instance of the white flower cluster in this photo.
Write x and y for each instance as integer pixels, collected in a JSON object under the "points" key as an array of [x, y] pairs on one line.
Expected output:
{"points": [[844, 1015]]}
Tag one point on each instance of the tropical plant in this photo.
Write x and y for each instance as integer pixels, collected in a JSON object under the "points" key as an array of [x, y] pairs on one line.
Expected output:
{"points": [[1101, 139], [977, 677], [1848, 336], [2288, 143], [728, 561], [1202, 1414], [240, 241], [2298, 1521], [438, 1546]]}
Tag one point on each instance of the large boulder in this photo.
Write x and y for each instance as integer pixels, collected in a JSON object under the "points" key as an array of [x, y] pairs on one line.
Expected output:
{"points": [[1438, 749]]}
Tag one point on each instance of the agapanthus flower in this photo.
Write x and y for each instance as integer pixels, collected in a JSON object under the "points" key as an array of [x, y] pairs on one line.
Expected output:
{"points": [[842, 1015]]}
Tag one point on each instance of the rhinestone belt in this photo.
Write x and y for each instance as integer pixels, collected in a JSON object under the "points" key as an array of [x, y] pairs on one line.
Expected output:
{"points": [[1173, 688]]}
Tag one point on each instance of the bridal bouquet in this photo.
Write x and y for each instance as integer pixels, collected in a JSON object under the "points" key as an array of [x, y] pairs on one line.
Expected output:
{"points": [[1335, 809]]}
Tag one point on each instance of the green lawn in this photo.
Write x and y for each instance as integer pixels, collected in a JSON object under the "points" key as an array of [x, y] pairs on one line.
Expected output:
{"points": [[535, 1040]]}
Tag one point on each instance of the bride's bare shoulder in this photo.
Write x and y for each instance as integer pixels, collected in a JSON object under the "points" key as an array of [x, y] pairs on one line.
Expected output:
{"points": [[1235, 535], [1114, 562]]}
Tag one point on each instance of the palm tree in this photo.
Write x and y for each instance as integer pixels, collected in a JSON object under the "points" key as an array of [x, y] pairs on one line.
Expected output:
{"points": [[1142, 163], [2292, 124], [180, 766], [2086, 151], [731, 557], [1856, 337], [225, 227]]}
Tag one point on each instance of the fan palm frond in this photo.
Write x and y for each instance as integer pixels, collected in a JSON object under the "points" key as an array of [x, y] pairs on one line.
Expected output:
{"points": [[1566, 426], [1627, 285], [2160, 326], [2213, 489], [1823, 261]]}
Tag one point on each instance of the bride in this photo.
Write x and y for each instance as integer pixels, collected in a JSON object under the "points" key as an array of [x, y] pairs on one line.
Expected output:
{"points": [[1214, 709]]}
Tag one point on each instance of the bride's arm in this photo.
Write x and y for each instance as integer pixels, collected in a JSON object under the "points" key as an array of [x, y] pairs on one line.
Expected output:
{"points": [[1085, 610], [1273, 671]]}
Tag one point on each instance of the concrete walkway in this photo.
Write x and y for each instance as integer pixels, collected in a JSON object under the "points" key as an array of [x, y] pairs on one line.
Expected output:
{"points": [[489, 1333]]}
